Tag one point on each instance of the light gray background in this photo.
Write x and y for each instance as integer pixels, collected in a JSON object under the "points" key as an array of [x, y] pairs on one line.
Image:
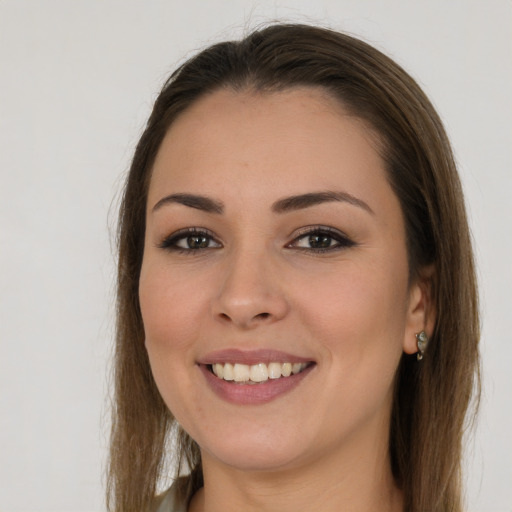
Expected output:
{"points": [[77, 79]]}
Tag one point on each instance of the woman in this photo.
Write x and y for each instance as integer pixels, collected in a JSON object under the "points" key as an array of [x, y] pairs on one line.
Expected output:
{"points": [[297, 319]]}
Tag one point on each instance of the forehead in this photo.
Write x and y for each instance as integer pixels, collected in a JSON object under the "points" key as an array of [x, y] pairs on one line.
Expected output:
{"points": [[294, 139], [296, 111]]}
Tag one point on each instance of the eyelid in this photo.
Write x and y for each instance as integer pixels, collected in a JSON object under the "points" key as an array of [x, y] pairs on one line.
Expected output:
{"points": [[169, 242], [344, 241]]}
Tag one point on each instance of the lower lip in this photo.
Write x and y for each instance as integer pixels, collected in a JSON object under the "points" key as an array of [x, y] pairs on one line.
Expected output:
{"points": [[253, 394]]}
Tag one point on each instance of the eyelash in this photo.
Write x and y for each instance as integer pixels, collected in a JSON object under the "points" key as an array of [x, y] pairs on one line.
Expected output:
{"points": [[170, 243], [341, 241]]}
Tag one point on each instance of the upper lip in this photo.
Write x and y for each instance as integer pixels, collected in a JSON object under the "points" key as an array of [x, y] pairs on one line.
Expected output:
{"points": [[250, 357]]}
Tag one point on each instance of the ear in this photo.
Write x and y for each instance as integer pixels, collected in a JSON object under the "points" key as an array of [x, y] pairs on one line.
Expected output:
{"points": [[421, 309]]}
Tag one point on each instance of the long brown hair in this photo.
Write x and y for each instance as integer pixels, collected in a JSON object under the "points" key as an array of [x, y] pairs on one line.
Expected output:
{"points": [[431, 398]]}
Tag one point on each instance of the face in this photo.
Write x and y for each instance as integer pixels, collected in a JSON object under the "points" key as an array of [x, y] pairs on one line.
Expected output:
{"points": [[275, 244]]}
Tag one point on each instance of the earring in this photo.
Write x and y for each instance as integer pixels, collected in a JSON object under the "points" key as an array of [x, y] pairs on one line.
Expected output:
{"points": [[422, 342]]}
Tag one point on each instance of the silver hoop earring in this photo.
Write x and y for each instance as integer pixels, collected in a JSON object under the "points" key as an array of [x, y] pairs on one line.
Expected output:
{"points": [[421, 342]]}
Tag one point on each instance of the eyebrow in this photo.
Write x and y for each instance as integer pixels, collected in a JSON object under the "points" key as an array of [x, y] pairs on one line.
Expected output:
{"points": [[306, 200], [203, 203], [287, 204]]}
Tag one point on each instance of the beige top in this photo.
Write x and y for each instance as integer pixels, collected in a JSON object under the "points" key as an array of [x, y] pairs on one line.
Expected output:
{"points": [[167, 502]]}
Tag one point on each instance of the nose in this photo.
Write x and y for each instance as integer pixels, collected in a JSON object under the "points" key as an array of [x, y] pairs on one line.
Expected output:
{"points": [[250, 292]]}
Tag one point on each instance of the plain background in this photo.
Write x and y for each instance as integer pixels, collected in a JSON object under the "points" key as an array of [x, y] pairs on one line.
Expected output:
{"points": [[77, 80]]}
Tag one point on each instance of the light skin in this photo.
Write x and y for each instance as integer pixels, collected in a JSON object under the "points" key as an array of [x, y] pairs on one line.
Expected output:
{"points": [[323, 276]]}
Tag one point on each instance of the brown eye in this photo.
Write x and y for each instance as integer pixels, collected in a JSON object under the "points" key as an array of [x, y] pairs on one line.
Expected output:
{"points": [[190, 240], [321, 239], [194, 242]]}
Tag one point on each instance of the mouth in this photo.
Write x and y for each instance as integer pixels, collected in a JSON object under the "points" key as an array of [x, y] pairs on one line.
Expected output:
{"points": [[239, 373], [251, 377]]}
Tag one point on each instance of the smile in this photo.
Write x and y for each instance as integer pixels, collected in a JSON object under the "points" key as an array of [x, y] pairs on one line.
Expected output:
{"points": [[256, 373], [251, 377]]}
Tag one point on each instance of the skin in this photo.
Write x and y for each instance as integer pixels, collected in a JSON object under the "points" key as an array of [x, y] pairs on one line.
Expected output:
{"points": [[260, 284]]}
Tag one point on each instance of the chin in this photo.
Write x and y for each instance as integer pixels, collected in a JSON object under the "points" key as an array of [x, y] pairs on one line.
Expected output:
{"points": [[254, 452]]}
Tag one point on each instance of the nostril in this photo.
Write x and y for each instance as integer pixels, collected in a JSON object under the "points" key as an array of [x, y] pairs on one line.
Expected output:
{"points": [[263, 315]]}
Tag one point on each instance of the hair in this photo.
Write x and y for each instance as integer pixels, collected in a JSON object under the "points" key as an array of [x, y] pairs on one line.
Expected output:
{"points": [[432, 398]]}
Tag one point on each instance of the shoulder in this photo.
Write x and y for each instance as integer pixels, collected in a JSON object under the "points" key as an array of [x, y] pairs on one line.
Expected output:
{"points": [[168, 502]]}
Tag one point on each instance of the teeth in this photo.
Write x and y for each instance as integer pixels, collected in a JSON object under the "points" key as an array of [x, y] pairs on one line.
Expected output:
{"points": [[296, 368], [218, 369], [257, 372], [227, 372], [242, 372], [286, 370], [274, 370]]}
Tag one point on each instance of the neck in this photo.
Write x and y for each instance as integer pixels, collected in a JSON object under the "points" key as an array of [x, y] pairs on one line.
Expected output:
{"points": [[355, 478]]}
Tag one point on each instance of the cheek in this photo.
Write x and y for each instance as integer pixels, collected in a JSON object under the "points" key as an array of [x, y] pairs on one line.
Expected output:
{"points": [[360, 314], [171, 307]]}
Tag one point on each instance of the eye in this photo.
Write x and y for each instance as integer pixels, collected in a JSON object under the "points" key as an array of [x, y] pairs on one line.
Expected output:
{"points": [[319, 239], [190, 240]]}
